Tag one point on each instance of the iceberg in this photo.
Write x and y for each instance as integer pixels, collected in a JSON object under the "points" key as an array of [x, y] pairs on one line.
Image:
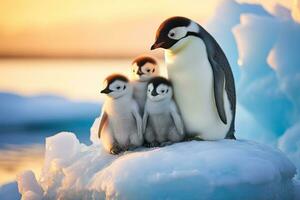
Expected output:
{"points": [[28, 111], [225, 169], [289, 143]]}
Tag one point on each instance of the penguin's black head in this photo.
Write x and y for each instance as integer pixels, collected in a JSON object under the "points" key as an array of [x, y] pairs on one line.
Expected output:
{"points": [[144, 68], [159, 88], [173, 30], [115, 86]]}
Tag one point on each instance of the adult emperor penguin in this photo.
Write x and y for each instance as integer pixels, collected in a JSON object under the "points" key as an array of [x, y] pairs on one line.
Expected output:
{"points": [[201, 76]]}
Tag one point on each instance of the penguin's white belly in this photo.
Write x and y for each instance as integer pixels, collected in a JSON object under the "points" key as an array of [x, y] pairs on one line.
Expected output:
{"points": [[121, 121], [123, 127], [192, 79]]}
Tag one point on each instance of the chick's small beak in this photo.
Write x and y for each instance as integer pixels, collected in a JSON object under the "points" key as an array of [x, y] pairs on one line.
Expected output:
{"points": [[154, 93], [106, 91], [139, 72]]}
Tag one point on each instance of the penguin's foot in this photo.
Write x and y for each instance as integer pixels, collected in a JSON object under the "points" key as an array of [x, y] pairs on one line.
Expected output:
{"points": [[115, 149], [166, 143], [154, 144], [232, 137], [151, 144], [191, 138], [146, 144], [131, 147]]}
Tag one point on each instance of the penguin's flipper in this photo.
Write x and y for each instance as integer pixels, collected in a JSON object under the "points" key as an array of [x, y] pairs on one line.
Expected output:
{"points": [[103, 120], [145, 121], [219, 80], [138, 119], [222, 72]]}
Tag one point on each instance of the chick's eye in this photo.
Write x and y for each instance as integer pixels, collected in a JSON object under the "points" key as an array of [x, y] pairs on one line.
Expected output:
{"points": [[118, 87], [172, 34], [163, 91], [153, 70], [148, 70]]}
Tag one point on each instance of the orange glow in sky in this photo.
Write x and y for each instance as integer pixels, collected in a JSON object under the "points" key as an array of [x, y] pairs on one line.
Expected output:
{"points": [[102, 28], [112, 29], [94, 28], [88, 28], [74, 79]]}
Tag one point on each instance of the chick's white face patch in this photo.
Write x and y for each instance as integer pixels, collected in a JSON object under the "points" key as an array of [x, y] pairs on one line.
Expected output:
{"points": [[117, 86], [145, 72], [150, 88], [162, 89], [149, 69]]}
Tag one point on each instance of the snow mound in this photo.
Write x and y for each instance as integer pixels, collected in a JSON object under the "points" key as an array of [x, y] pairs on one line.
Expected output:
{"points": [[289, 143], [28, 186], [225, 169]]}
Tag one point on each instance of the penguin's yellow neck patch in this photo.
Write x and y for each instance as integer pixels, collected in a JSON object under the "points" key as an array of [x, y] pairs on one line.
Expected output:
{"points": [[179, 46]]}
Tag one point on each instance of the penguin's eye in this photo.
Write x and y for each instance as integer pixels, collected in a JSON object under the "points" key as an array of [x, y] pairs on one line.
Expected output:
{"points": [[148, 70], [124, 87], [163, 91], [153, 70], [177, 33], [118, 87], [171, 34], [167, 91]]}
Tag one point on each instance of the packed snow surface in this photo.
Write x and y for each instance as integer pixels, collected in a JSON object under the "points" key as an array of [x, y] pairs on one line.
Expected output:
{"points": [[225, 169]]}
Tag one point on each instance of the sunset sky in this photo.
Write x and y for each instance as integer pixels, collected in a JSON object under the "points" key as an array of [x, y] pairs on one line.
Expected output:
{"points": [[93, 28], [100, 28], [87, 28]]}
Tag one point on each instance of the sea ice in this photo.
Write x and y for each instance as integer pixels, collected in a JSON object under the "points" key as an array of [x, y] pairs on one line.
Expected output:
{"points": [[225, 169]]}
